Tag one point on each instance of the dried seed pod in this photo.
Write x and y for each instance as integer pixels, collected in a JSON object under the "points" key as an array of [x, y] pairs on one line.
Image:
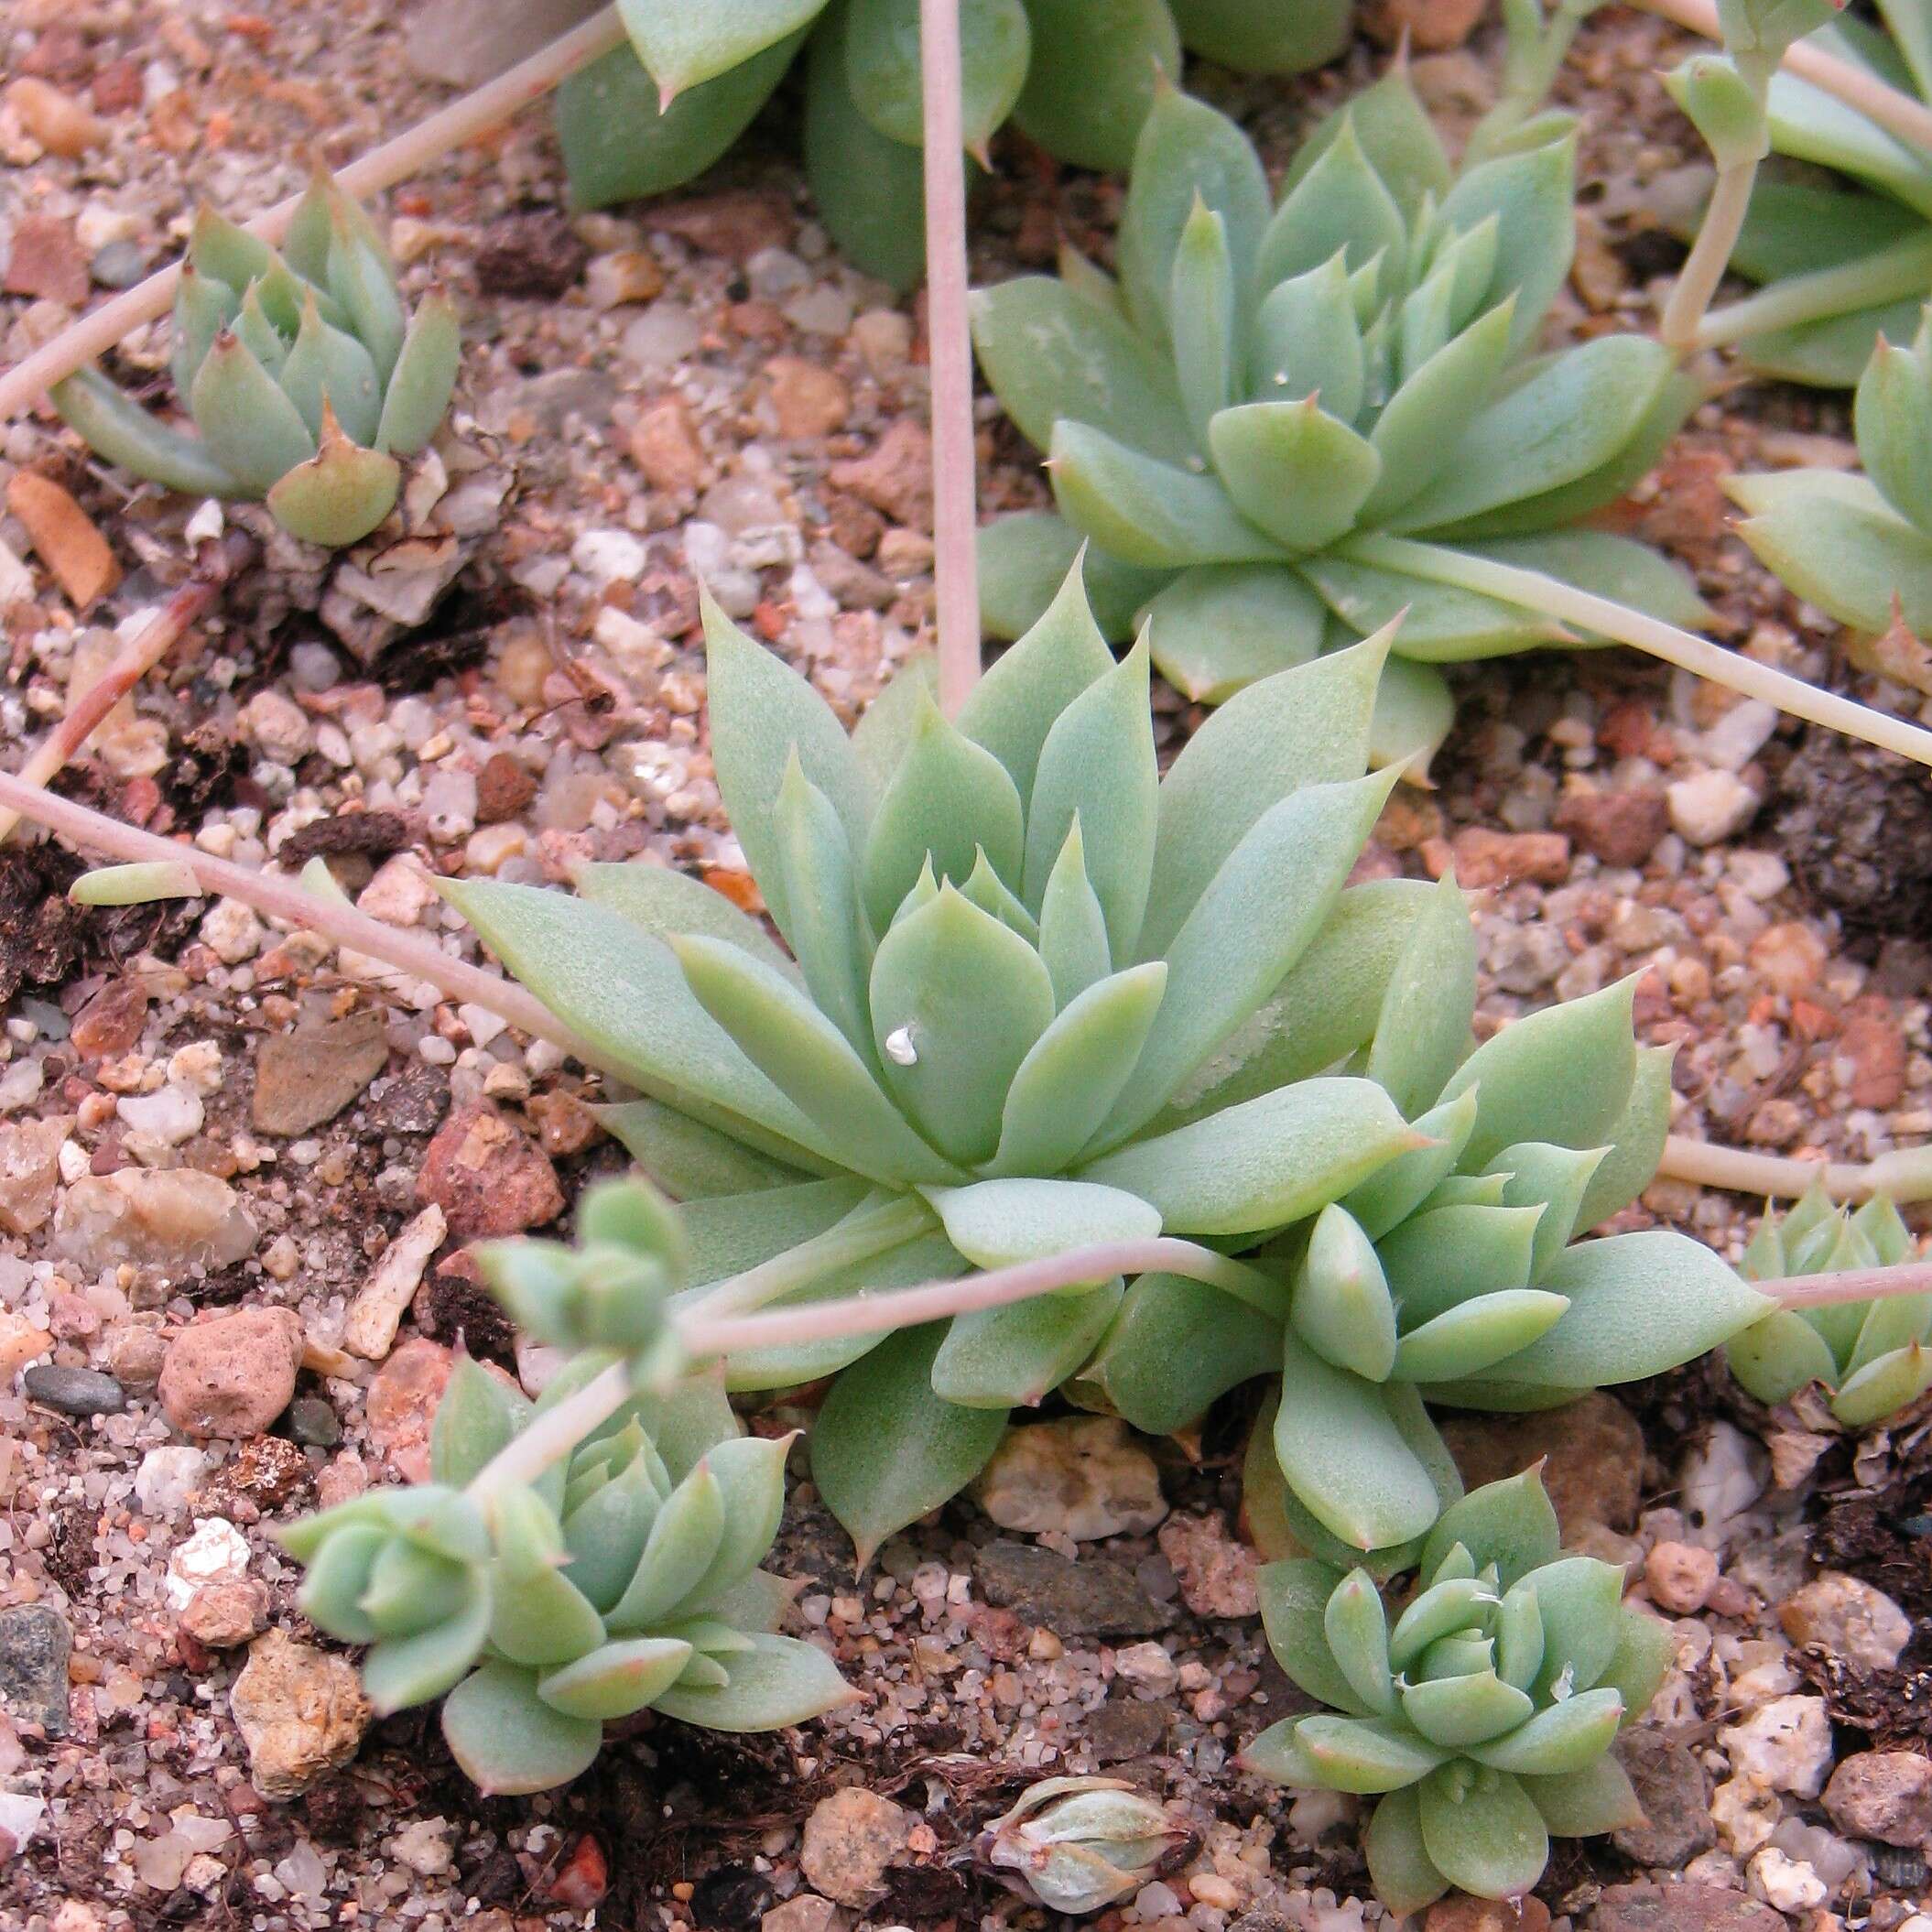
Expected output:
{"points": [[1078, 1844]]}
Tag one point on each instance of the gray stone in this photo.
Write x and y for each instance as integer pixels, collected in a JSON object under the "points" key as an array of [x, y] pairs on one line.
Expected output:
{"points": [[1682, 1908], [1093, 1598], [1124, 1729], [74, 1391], [1675, 1793], [313, 1422], [1885, 1795], [305, 1077], [34, 1645]]}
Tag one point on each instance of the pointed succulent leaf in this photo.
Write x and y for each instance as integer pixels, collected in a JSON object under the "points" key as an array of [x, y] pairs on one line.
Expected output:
{"points": [[1882, 1388], [1441, 624], [1404, 1876], [1483, 1833], [537, 1616], [360, 277], [877, 1480], [325, 362], [750, 1474], [1344, 1456], [251, 429], [615, 1679], [1645, 1654], [1426, 418], [1072, 924], [1531, 192], [204, 306], [886, 727], [1264, 1162], [958, 1000], [1187, 152], [1415, 711], [1307, 343], [1580, 1601], [339, 495], [995, 1224], [1342, 1309], [948, 801], [1023, 558], [998, 1359], [1555, 1178], [1465, 1340], [1509, 1523], [1562, 1074], [1092, 77], [1144, 511], [1220, 627], [1582, 1804], [420, 385], [338, 1573], [685, 1540], [731, 1232], [1560, 1738], [1295, 1596], [681, 47], [779, 1681], [1458, 1712], [821, 892], [1519, 1636], [985, 888], [475, 1416], [1097, 769], [1443, 1258], [1396, 1190], [1636, 1141], [1357, 1631], [399, 1672], [508, 1740], [1293, 469], [665, 902], [1304, 726], [1422, 1032], [1894, 421], [1367, 1754], [1776, 1357], [1279, 1755], [883, 66], [1340, 203], [1204, 313], [1396, 134], [606, 1532], [118, 428]]}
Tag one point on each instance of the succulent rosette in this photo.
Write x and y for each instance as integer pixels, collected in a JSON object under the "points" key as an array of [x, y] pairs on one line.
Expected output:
{"points": [[624, 1577], [1271, 393], [1871, 1357], [306, 379], [1077, 76], [1480, 1717]]}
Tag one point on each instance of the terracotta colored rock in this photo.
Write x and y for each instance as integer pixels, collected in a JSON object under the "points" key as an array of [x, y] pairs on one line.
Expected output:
{"points": [[401, 1404], [896, 477], [1595, 1453], [1507, 858], [808, 398], [110, 1024], [46, 261], [63, 534], [665, 446], [1883, 1795], [1874, 1046], [1680, 1577], [1431, 27], [1461, 1914], [582, 1879], [231, 1374], [488, 1176], [300, 1712], [30, 1170], [1215, 1567], [222, 1615], [56, 120], [1790, 956], [1619, 828], [737, 225], [504, 787]]}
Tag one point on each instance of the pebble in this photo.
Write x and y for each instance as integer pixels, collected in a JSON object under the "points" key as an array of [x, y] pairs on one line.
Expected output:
{"points": [[1789, 1884], [1680, 1576], [231, 931], [62, 533], [1459, 1913], [59, 122], [665, 447], [1784, 1745], [1216, 1570], [369, 1327], [423, 1847], [1790, 957], [581, 1881], [300, 1712], [313, 1420], [1675, 1792], [169, 1217], [896, 477], [1096, 1597], [1618, 828], [110, 1024], [610, 556], [30, 1170], [1681, 1908], [808, 400], [119, 265], [1740, 734], [74, 1391], [488, 1176], [232, 1375], [1871, 1051], [1883, 1795], [216, 1553], [20, 1341], [35, 1642], [401, 1404], [400, 894], [222, 1615], [46, 260], [1710, 807], [1503, 858], [806, 1913], [1148, 1667], [849, 1839], [504, 787], [1430, 27], [278, 725], [306, 1078], [167, 1478], [1083, 1476], [165, 1118], [666, 334], [1592, 1454], [1848, 1619], [629, 274]]}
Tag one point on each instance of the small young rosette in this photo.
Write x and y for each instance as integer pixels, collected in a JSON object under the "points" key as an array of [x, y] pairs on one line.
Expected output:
{"points": [[1078, 1844], [1480, 1717], [1269, 393], [1860, 548], [624, 1579], [1871, 1357], [303, 373]]}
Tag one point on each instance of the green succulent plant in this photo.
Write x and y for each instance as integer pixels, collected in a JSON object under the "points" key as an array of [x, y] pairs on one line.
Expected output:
{"points": [[1077, 76], [1480, 1717], [1278, 409], [624, 1577], [1860, 548], [1870, 1357], [1011, 947], [1079, 1844], [1841, 262], [1452, 1275], [305, 377]]}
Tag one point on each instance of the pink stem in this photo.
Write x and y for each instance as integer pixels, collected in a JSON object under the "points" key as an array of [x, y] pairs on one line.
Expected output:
{"points": [[281, 898], [143, 651], [1824, 1291], [954, 517]]}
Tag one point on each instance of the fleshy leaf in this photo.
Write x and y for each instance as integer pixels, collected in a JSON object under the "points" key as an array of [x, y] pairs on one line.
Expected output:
{"points": [[1367, 1754], [1483, 1834], [681, 46], [1404, 1876], [778, 1681], [1509, 1523], [995, 1224], [508, 1741], [615, 1679], [1220, 627], [1342, 1309], [997, 1359], [1422, 1032]]}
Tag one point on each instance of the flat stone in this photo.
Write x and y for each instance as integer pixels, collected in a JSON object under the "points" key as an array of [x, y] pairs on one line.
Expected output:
{"points": [[1124, 1729], [401, 1406], [300, 1711], [1093, 1598], [1675, 1792], [63, 534], [233, 1374], [1885, 1795], [46, 261], [1618, 828], [488, 1176], [34, 1645], [162, 1216], [305, 1077], [895, 477], [1082, 1476], [110, 1024], [1592, 1454], [849, 1839], [30, 1171], [1682, 1908], [1848, 1620], [222, 1615], [369, 1327], [74, 1391]]}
